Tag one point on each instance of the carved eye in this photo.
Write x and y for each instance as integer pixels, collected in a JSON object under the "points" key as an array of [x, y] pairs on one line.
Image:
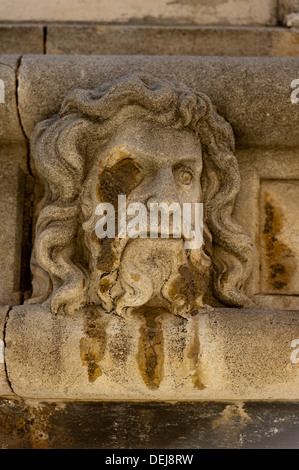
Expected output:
{"points": [[186, 177], [183, 174]]}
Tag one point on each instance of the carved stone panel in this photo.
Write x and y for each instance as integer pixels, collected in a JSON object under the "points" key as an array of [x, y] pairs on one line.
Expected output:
{"points": [[269, 195], [279, 237], [136, 11]]}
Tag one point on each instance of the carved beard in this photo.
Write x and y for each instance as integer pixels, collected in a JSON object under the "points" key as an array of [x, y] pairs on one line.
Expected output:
{"points": [[157, 273]]}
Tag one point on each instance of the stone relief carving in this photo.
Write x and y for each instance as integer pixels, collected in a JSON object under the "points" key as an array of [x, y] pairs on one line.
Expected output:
{"points": [[151, 140], [115, 319]]}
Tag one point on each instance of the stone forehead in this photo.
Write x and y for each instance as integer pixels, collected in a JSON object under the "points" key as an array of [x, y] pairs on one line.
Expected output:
{"points": [[149, 138]]}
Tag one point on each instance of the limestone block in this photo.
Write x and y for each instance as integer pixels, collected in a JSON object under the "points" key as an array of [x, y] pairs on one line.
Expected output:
{"points": [[21, 39], [138, 319], [10, 129], [175, 40], [280, 237], [5, 389], [233, 12], [269, 193], [12, 182], [253, 94], [225, 354]]}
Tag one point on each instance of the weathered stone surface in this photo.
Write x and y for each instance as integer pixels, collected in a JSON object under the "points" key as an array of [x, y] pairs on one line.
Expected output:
{"points": [[148, 40], [12, 181], [21, 39], [279, 236], [134, 11], [155, 151], [10, 129], [253, 94], [196, 426], [175, 40], [268, 179], [226, 355], [5, 390]]}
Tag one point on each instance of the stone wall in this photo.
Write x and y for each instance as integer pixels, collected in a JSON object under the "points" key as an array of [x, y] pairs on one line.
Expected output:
{"points": [[114, 39], [239, 12], [82, 320], [267, 158]]}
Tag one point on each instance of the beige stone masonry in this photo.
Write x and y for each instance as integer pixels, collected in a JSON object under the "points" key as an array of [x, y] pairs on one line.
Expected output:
{"points": [[269, 193], [253, 94], [288, 12], [242, 354], [12, 187], [224, 355], [114, 39], [21, 39], [172, 40], [13, 160], [134, 11]]}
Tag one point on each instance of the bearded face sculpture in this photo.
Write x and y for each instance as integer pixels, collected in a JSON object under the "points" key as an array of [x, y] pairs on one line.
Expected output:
{"points": [[153, 142], [150, 165]]}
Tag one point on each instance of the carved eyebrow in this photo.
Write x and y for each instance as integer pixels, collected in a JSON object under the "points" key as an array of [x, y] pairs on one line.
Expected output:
{"points": [[193, 164]]}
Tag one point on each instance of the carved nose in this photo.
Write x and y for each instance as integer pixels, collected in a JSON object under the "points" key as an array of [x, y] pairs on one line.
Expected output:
{"points": [[163, 188]]}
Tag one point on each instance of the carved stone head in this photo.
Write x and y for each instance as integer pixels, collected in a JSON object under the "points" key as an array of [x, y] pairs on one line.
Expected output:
{"points": [[151, 141]]}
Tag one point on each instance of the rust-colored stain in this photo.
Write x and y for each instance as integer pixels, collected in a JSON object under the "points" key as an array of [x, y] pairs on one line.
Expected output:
{"points": [[107, 257], [135, 276], [191, 286], [150, 357], [194, 356], [104, 285], [120, 179], [30, 427], [280, 260], [233, 419], [92, 347]]}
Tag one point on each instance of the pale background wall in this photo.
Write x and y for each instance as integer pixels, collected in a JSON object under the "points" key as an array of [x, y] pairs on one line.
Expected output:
{"points": [[204, 12]]}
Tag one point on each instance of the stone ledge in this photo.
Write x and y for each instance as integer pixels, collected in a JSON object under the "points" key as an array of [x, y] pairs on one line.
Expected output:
{"points": [[21, 39], [253, 94], [137, 11], [172, 40], [148, 40], [228, 354]]}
